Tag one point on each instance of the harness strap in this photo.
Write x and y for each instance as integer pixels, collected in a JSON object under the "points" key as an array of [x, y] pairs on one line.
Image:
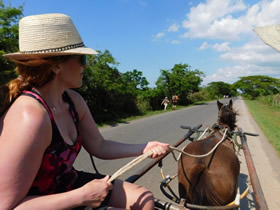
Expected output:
{"points": [[199, 156]]}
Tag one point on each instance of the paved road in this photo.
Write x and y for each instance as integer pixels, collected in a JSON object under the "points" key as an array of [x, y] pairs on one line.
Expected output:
{"points": [[166, 128], [266, 161]]}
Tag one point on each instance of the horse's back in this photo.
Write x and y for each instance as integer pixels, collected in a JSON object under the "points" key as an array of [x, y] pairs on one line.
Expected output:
{"points": [[209, 180]]}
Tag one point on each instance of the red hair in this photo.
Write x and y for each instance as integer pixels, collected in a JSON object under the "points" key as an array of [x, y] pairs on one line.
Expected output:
{"points": [[32, 73]]}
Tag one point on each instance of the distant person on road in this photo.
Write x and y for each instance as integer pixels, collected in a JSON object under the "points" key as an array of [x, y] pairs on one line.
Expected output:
{"points": [[165, 103], [174, 101], [44, 124]]}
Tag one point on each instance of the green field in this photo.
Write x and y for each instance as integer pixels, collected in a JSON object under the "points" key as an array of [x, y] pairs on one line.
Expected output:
{"points": [[268, 119]]}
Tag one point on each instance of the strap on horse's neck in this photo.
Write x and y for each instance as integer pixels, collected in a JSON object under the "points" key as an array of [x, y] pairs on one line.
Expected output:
{"points": [[222, 129]]}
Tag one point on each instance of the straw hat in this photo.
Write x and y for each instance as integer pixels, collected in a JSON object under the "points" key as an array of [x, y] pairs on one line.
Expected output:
{"points": [[48, 35], [270, 35]]}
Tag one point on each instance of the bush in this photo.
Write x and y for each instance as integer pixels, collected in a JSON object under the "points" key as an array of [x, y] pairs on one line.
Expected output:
{"points": [[143, 104], [198, 96]]}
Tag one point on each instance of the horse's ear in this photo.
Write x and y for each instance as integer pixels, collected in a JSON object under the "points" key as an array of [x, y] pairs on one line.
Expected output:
{"points": [[219, 104], [230, 104]]}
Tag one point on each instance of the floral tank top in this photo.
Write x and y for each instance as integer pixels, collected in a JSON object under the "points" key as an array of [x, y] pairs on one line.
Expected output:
{"points": [[56, 173]]}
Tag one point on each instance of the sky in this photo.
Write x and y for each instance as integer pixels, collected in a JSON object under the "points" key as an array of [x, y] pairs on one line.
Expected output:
{"points": [[213, 36]]}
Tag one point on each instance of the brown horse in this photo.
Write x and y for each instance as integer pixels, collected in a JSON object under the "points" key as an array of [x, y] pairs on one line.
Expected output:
{"points": [[211, 180]]}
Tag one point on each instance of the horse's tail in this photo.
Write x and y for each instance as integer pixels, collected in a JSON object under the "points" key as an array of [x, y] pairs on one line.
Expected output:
{"points": [[203, 191]]}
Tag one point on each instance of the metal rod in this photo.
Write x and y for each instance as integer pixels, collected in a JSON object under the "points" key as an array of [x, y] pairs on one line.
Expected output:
{"points": [[146, 168], [260, 200], [166, 205]]}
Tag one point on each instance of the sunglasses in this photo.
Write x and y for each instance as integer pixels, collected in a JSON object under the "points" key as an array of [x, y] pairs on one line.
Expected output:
{"points": [[83, 60]]}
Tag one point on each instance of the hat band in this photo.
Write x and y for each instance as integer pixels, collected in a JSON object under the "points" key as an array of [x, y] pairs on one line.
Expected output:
{"points": [[59, 49]]}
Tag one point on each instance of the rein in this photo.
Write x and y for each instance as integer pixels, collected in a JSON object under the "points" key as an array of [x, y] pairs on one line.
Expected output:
{"points": [[130, 165], [142, 157], [172, 149]]}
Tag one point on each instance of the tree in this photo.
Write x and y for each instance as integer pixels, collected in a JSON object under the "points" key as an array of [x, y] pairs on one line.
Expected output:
{"points": [[180, 80], [257, 85], [219, 89], [134, 79], [105, 90], [9, 17]]}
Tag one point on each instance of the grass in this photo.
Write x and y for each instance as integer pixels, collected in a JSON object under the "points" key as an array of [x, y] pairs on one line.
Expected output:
{"points": [[268, 118]]}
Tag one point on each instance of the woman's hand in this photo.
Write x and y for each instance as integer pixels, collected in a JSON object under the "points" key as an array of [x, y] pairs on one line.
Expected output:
{"points": [[96, 191], [158, 149]]}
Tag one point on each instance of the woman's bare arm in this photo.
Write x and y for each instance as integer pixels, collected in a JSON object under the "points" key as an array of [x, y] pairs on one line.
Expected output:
{"points": [[96, 145], [25, 134]]}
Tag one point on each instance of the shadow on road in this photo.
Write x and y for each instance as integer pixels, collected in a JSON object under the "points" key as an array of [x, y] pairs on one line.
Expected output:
{"points": [[248, 202]]}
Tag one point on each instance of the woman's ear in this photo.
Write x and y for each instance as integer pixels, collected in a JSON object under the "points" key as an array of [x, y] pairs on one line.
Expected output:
{"points": [[56, 68]]}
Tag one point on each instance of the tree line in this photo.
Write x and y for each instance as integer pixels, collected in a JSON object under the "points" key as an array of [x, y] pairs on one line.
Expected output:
{"points": [[112, 95]]}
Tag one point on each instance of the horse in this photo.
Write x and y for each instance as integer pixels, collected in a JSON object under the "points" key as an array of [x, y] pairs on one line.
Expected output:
{"points": [[211, 180]]}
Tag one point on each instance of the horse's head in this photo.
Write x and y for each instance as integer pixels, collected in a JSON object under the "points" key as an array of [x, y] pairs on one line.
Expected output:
{"points": [[226, 115]]}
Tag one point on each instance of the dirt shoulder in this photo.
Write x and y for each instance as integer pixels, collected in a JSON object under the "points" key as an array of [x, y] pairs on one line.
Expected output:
{"points": [[266, 161]]}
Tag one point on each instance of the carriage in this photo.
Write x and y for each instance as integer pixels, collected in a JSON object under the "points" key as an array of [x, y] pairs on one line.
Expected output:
{"points": [[208, 149]]}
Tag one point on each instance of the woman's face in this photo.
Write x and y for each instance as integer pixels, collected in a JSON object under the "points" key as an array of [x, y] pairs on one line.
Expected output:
{"points": [[70, 71]]}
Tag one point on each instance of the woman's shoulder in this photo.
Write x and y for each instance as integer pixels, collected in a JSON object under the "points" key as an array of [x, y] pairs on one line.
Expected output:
{"points": [[78, 100], [29, 107], [29, 110], [27, 117], [74, 95]]}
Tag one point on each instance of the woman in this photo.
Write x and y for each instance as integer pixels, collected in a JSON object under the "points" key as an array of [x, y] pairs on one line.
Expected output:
{"points": [[165, 102], [44, 124]]}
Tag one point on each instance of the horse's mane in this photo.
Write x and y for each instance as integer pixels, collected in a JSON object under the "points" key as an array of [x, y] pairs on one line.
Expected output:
{"points": [[227, 115]]}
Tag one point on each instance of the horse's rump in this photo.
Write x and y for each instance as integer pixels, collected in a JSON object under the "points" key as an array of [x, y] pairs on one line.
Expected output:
{"points": [[209, 180]]}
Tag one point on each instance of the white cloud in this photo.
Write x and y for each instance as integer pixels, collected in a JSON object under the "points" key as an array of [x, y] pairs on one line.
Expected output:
{"points": [[221, 47], [233, 73], [253, 52], [204, 46], [228, 19], [175, 42], [173, 28], [253, 58], [159, 35], [268, 13], [216, 20]]}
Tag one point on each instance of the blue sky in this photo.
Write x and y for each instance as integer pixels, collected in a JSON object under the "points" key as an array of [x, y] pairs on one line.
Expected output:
{"points": [[214, 36]]}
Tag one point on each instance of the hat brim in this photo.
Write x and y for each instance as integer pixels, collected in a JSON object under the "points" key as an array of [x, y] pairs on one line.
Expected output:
{"points": [[26, 56], [270, 35]]}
